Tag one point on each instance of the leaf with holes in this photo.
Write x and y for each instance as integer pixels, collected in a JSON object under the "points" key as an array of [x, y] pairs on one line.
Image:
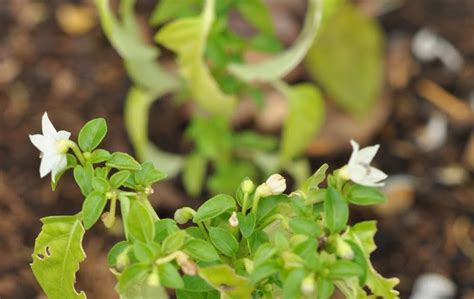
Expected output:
{"points": [[56, 256]]}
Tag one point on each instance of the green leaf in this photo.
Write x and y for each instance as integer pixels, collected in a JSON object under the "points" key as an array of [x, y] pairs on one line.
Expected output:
{"points": [[280, 65], [201, 250], [187, 37], [83, 177], [92, 208], [100, 184], [336, 210], [227, 282], [137, 105], [142, 252], [115, 251], [305, 118], [292, 284], [131, 277], [92, 134], [163, 228], [364, 196], [167, 10], [148, 174], [193, 173], [325, 288], [305, 227], [173, 242], [169, 276], [247, 223], [214, 207], [118, 178], [380, 286], [99, 155], [312, 183], [123, 161], [256, 13], [224, 241], [263, 271], [56, 256], [365, 232], [139, 222], [344, 269], [347, 59]]}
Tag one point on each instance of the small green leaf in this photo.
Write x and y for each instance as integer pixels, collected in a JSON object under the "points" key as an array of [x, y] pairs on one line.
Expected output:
{"points": [[305, 118], [123, 161], [92, 134], [194, 173], [83, 177], [173, 242], [201, 250], [364, 196], [305, 227], [163, 228], [256, 13], [214, 207], [336, 210], [99, 155], [169, 276], [224, 241], [247, 223], [99, 184], [139, 222], [344, 269], [132, 276], [56, 256], [167, 10], [118, 178], [148, 174], [115, 251], [263, 271], [292, 284], [142, 252], [224, 279], [92, 208], [325, 288], [312, 183]]}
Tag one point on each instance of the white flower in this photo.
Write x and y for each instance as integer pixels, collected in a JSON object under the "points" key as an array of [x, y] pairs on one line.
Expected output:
{"points": [[359, 170], [53, 146], [233, 220], [277, 184]]}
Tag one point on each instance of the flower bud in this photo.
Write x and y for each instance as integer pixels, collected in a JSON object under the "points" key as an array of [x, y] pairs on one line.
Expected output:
{"points": [[183, 215], [233, 220], [276, 183], [122, 261], [247, 185], [153, 279], [344, 250], [307, 285], [187, 265]]}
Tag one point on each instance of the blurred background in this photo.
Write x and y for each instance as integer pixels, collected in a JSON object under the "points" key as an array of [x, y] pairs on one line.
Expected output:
{"points": [[55, 58]]}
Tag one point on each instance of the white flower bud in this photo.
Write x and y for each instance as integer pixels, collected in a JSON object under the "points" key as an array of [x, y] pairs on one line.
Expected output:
{"points": [[187, 265], [233, 220], [307, 285], [276, 183]]}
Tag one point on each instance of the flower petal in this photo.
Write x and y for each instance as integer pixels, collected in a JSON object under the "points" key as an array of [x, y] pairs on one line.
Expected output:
{"points": [[48, 128], [355, 151], [367, 154], [43, 143], [376, 175], [48, 162], [63, 135], [60, 165]]}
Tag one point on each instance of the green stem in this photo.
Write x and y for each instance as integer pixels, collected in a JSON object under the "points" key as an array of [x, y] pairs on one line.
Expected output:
{"points": [[256, 199], [245, 203], [77, 151]]}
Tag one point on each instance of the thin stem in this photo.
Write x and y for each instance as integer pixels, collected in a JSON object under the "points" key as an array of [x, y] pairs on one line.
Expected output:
{"points": [[77, 151], [245, 203], [256, 200]]}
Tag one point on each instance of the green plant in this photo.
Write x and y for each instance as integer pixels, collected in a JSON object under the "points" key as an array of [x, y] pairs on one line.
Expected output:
{"points": [[213, 75], [259, 243]]}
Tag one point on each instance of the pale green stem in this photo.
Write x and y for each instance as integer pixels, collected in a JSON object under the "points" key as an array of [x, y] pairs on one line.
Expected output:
{"points": [[256, 199], [245, 203], [77, 151]]}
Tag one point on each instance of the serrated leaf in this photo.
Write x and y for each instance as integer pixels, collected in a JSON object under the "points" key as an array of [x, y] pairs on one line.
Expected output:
{"points": [[280, 65], [140, 222], [201, 250], [92, 208], [305, 118], [227, 282], [92, 134], [123, 161], [214, 207], [347, 59], [56, 256], [224, 241], [336, 210], [187, 37]]}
